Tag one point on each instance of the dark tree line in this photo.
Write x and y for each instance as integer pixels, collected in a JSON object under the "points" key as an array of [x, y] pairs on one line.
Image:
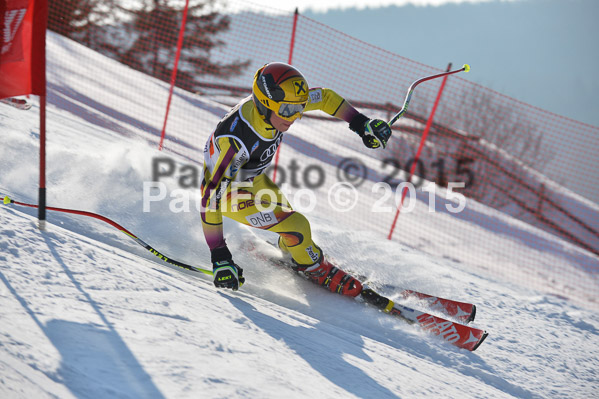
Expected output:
{"points": [[144, 36]]}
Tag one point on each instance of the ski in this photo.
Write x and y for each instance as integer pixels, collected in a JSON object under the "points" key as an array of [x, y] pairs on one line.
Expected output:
{"points": [[462, 311], [18, 103], [460, 335]]}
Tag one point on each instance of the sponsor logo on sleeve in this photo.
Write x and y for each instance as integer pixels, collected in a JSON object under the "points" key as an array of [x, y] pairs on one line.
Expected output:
{"points": [[315, 96], [240, 160], [234, 124]]}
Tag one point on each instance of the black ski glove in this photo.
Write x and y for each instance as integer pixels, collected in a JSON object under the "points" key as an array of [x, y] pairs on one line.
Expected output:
{"points": [[226, 273], [374, 132]]}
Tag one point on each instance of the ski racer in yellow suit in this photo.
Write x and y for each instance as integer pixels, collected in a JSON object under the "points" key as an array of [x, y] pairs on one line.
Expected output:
{"points": [[235, 185]]}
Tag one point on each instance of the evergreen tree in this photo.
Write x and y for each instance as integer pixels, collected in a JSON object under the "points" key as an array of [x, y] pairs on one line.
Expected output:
{"points": [[76, 18], [156, 28], [145, 37]]}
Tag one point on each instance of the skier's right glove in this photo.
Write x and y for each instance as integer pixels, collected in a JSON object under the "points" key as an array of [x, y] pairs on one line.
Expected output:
{"points": [[374, 132], [226, 273]]}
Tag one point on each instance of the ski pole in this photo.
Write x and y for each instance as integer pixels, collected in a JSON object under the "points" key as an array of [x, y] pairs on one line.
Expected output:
{"points": [[465, 68], [173, 262]]}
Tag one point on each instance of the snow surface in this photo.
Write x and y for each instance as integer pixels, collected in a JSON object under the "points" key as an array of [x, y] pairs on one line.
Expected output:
{"points": [[87, 313]]}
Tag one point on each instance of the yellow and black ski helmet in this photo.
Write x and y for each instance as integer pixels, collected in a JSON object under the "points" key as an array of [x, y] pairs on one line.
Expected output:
{"points": [[280, 88]]}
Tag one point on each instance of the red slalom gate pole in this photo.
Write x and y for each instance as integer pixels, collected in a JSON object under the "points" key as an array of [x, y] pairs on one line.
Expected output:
{"points": [[174, 74], [41, 210], [291, 46], [427, 128]]}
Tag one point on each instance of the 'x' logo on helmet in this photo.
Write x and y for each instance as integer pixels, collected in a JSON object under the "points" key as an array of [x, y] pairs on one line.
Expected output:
{"points": [[299, 87]]}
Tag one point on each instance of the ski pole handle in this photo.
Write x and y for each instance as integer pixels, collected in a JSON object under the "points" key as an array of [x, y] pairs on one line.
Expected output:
{"points": [[465, 68]]}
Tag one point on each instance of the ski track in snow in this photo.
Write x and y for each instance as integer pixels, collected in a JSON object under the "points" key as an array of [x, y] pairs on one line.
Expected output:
{"points": [[87, 313]]}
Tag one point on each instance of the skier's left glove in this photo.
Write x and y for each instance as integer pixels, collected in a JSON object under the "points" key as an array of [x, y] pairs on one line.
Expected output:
{"points": [[226, 273], [374, 132]]}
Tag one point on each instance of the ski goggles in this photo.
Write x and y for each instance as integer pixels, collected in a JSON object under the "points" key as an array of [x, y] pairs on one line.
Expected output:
{"points": [[289, 110]]}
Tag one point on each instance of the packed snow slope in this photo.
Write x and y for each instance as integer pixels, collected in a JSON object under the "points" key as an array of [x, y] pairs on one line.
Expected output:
{"points": [[87, 313]]}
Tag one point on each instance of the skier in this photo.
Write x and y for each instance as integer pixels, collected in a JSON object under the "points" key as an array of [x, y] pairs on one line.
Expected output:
{"points": [[241, 149]]}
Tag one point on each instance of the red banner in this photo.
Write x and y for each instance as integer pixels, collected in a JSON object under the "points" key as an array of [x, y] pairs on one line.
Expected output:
{"points": [[23, 47]]}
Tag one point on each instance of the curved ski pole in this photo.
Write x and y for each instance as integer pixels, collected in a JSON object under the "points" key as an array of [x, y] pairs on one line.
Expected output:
{"points": [[173, 262], [404, 109]]}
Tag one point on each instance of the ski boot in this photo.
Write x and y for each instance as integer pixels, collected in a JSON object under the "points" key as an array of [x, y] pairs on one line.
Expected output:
{"points": [[333, 278]]}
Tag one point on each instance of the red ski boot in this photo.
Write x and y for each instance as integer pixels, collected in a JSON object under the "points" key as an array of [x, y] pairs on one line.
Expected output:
{"points": [[334, 278]]}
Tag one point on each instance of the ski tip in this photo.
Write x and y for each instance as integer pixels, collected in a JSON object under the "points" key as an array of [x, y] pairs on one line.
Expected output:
{"points": [[472, 314], [7, 200], [485, 335], [466, 68]]}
